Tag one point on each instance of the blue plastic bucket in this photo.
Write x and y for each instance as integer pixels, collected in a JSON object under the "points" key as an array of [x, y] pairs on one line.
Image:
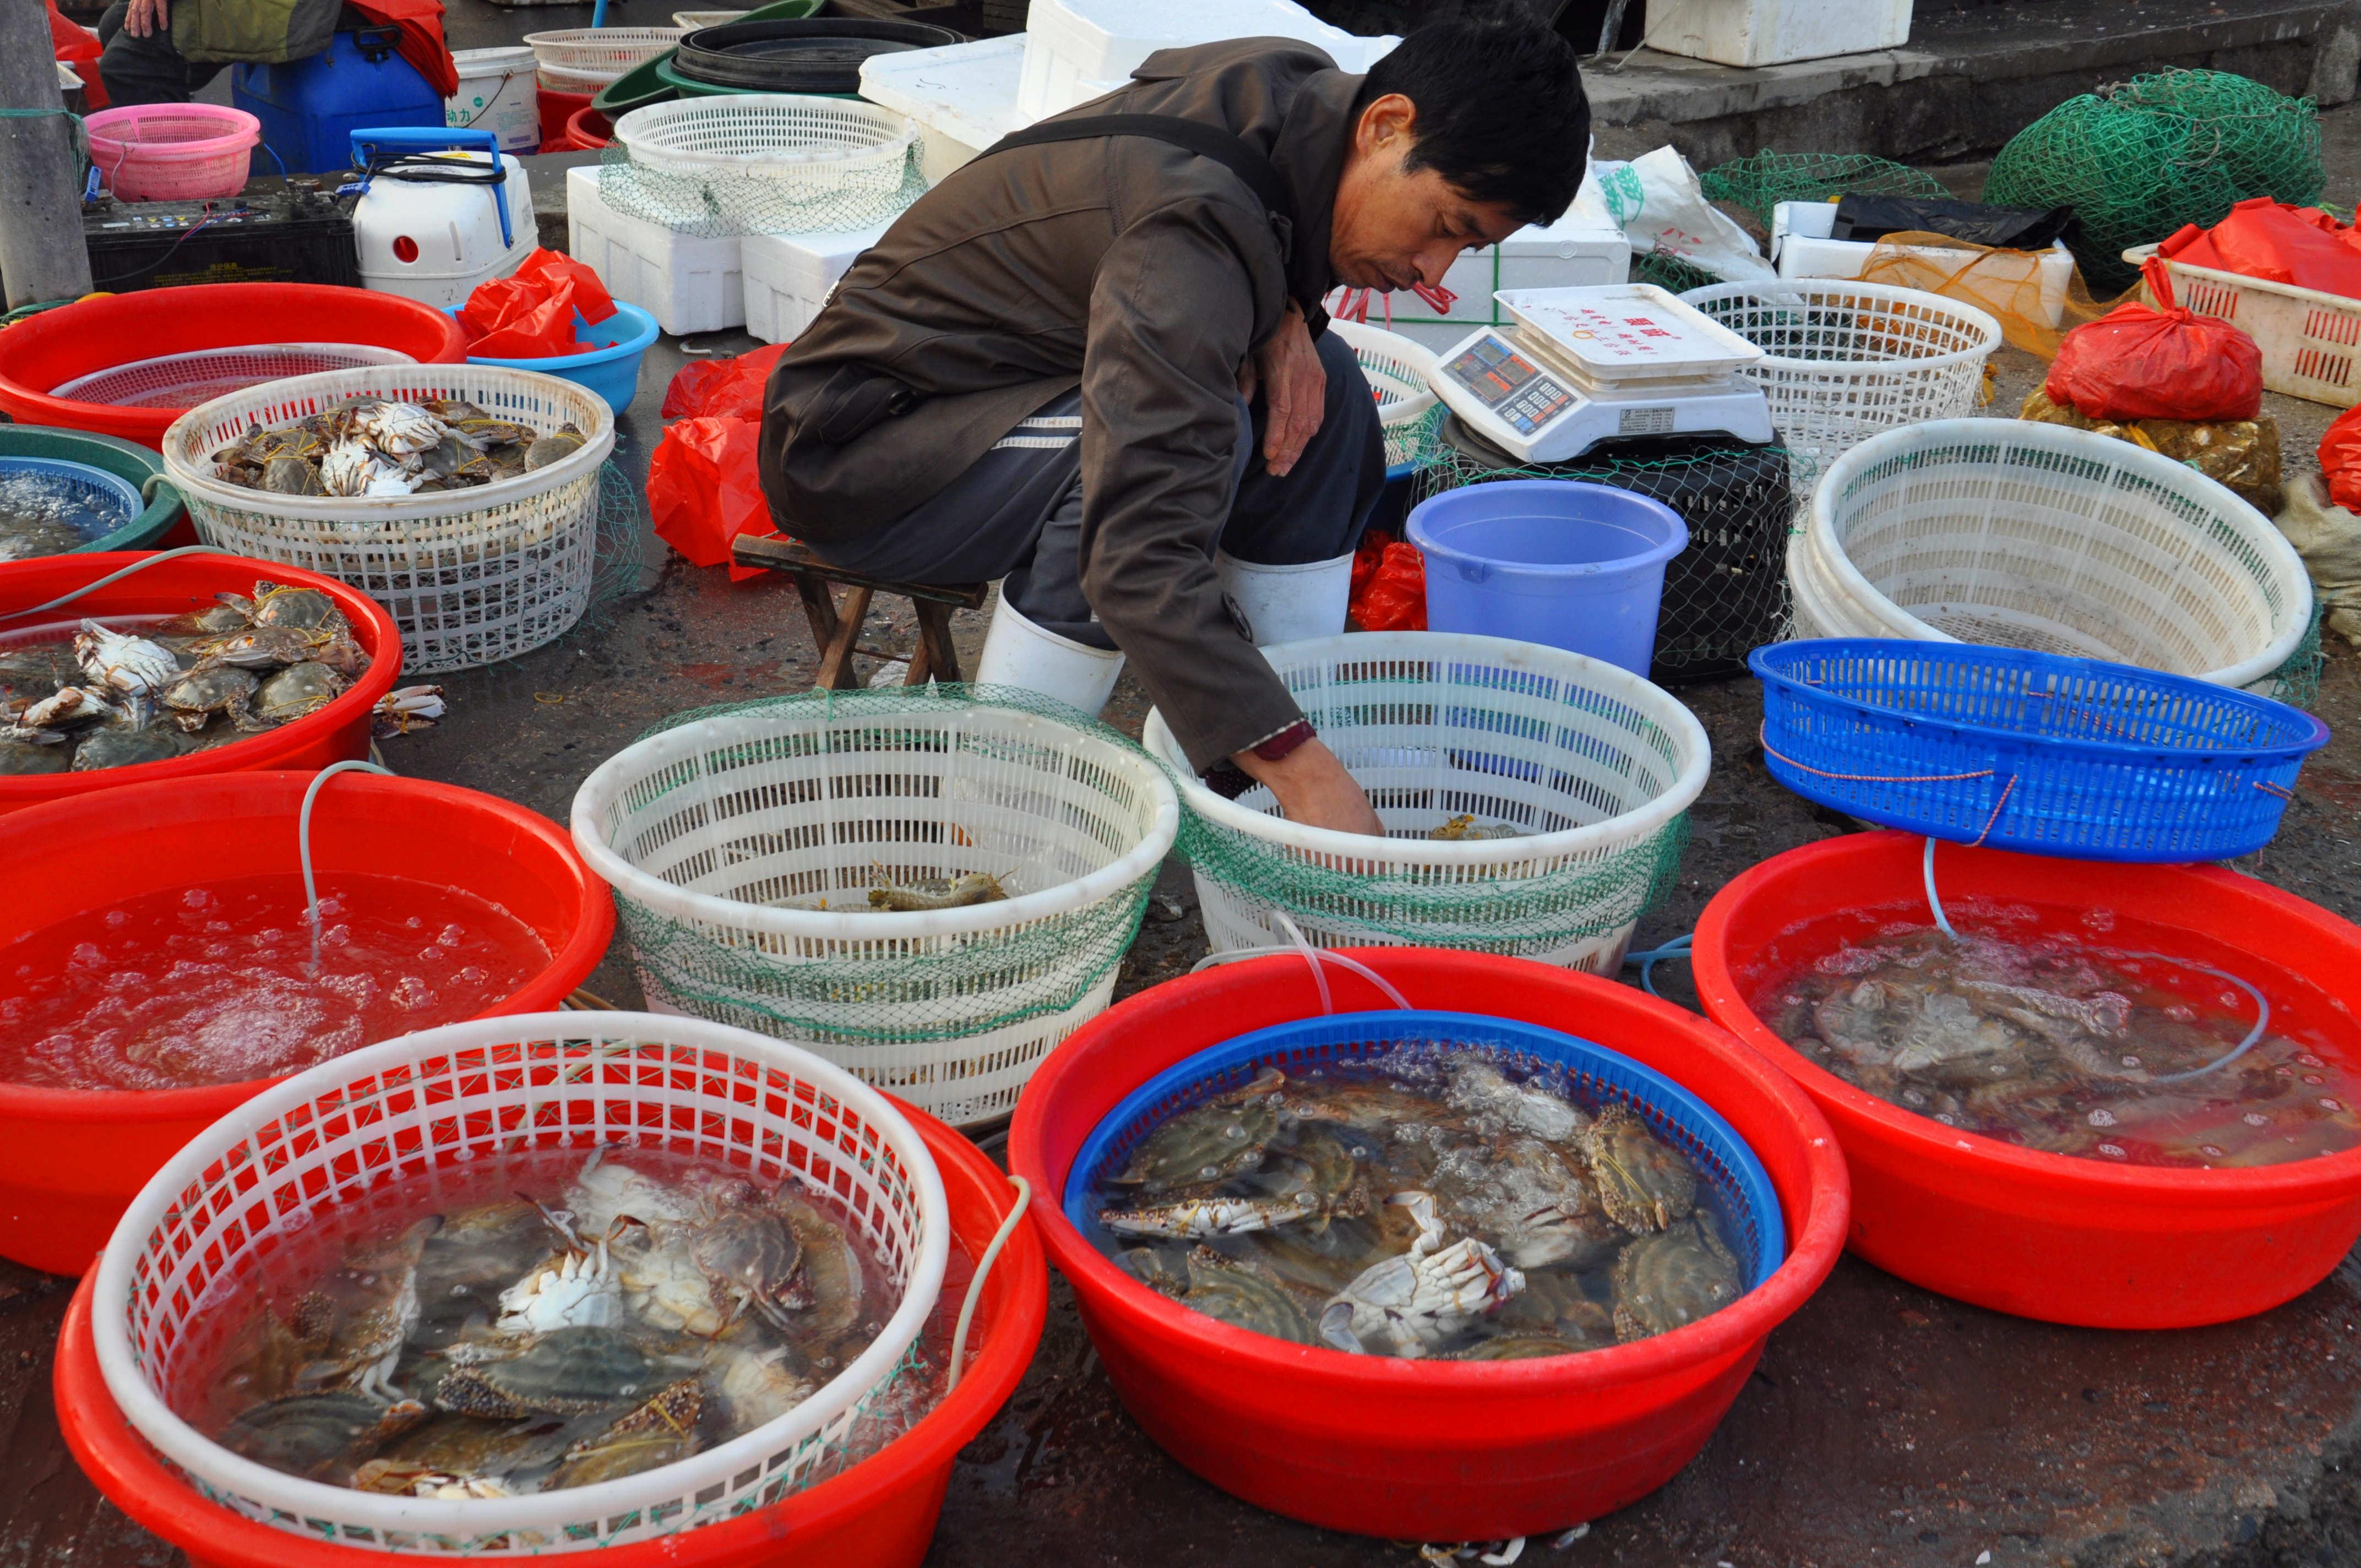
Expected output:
{"points": [[611, 371], [1558, 562]]}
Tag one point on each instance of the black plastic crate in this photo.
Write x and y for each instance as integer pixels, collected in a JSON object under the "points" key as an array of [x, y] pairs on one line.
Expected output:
{"points": [[272, 232]]}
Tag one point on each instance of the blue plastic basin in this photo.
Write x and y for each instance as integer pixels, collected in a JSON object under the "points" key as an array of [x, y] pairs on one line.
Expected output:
{"points": [[1559, 562], [612, 371]]}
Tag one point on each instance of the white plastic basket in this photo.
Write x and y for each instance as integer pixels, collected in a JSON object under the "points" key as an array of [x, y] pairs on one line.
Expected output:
{"points": [[611, 51], [790, 136], [720, 838], [2029, 535], [558, 78], [200, 375], [1594, 760], [2311, 341], [350, 1136], [1401, 373], [690, 21], [471, 576], [1845, 360]]}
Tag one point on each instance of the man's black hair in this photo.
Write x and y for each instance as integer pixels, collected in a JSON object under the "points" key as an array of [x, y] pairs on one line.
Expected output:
{"points": [[1501, 114]]}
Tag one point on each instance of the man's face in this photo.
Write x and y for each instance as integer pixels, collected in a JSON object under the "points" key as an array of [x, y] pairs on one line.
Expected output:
{"points": [[1392, 226]]}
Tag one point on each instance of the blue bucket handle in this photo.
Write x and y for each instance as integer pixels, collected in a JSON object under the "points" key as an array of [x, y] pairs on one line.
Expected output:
{"points": [[434, 138]]}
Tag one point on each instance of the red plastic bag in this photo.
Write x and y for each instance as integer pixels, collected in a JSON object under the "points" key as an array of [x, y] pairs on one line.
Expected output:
{"points": [[1388, 585], [422, 44], [704, 490], [2136, 362], [722, 388], [529, 314], [2267, 239], [2340, 459], [78, 47]]}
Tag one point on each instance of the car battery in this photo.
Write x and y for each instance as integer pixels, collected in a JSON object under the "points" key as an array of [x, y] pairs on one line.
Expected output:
{"points": [[275, 231]]}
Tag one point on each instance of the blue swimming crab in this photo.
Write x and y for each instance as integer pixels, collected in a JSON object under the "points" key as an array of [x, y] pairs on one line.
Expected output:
{"points": [[1408, 1304]]}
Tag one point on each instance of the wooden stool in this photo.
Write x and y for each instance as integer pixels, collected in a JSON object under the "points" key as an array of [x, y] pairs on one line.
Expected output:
{"points": [[836, 625]]}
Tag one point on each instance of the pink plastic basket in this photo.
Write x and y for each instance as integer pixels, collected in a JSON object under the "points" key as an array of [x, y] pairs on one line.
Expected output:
{"points": [[172, 153]]}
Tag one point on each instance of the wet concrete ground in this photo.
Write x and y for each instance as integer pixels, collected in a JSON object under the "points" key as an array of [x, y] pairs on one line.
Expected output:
{"points": [[1884, 1425]]}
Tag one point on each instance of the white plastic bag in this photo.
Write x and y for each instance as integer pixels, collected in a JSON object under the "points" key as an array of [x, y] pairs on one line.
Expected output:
{"points": [[2328, 539], [1657, 203]]}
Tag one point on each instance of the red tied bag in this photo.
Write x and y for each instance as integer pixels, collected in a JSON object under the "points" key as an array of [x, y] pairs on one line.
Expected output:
{"points": [[722, 388], [704, 489], [2136, 362], [2340, 459], [529, 314], [1388, 590]]}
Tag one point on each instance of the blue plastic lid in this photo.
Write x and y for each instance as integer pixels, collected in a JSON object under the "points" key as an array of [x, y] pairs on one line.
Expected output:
{"points": [[1589, 1075]]}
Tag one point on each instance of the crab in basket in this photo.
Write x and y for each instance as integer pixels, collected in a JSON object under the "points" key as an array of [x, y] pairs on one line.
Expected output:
{"points": [[377, 447], [607, 1316]]}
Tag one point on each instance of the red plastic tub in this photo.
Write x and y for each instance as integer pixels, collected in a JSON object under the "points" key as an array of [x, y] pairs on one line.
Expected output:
{"points": [[587, 130], [338, 732], [879, 1513], [2045, 1235], [107, 330], [1424, 1450], [557, 109], [72, 1160]]}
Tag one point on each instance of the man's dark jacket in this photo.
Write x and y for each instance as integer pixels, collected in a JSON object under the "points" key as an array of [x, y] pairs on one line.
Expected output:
{"points": [[1143, 273]]}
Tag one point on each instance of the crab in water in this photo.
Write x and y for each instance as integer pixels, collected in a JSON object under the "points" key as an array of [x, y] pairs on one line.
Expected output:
{"points": [[448, 1455], [295, 691], [192, 699], [1673, 1277], [1408, 1304], [1642, 1184], [1196, 1214], [133, 667], [370, 1304], [1484, 1093], [569, 1372], [1219, 1138], [1538, 1207], [939, 892], [829, 1276], [658, 1432], [577, 1286], [1243, 1294], [318, 1436], [758, 1386]]}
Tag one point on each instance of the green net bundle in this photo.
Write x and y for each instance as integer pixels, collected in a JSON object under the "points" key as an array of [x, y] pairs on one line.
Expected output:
{"points": [[718, 204], [1671, 273], [2138, 159], [1759, 183]]}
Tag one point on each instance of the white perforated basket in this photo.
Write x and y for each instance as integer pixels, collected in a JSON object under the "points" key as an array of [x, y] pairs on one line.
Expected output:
{"points": [[351, 1135], [200, 375], [1843, 361], [610, 51], [1591, 758], [471, 576], [1402, 374], [789, 136], [2027, 535], [723, 836]]}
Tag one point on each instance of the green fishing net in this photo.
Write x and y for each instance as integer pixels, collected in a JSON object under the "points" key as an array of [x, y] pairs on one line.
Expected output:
{"points": [[1759, 183], [2138, 159], [809, 802], [724, 202], [2298, 680], [1671, 273], [1725, 594]]}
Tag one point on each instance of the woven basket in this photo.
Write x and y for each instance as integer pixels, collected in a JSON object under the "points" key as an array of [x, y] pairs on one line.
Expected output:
{"points": [[471, 576]]}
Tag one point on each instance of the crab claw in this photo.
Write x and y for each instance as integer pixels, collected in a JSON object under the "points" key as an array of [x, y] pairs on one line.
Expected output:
{"points": [[1337, 1328], [1422, 1210]]}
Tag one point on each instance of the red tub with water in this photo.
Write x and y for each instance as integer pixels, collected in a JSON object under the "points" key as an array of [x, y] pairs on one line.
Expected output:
{"points": [[2046, 1235], [879, 1513], [44, 352], [71, 1160], [1425, 1450], [338, 732]]}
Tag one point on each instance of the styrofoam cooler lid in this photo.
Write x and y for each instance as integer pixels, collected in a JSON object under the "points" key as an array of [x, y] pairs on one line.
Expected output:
{"points": [[1629, 331], [966, 91], [1122, 33]]}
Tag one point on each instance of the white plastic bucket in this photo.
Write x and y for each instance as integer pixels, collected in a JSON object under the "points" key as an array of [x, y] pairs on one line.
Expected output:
{"points": [[1286, 604], [1018, 653], [497, 94]]}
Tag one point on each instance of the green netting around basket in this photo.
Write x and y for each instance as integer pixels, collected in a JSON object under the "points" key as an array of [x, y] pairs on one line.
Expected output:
{"points": [[1726, 595], [1444, 906], [1671, 273], [1759, 183], [2298, 680], [729, 202], [2138, 159], [954, 987]]}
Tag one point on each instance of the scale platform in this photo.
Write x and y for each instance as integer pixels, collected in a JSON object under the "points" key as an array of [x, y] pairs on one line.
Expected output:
{"points": [[1604, 363]]}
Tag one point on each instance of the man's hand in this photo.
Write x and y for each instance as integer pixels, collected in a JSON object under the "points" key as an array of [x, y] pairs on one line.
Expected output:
{"points": [[1294, 387], [1314, 789], [146, 17]]}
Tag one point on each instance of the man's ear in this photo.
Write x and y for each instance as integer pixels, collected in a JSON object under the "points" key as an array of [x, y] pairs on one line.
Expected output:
{"points": [[1386, 126]]}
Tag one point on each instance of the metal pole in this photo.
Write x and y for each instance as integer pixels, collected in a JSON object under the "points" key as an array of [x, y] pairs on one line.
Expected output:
{"points": [[41, 252]]}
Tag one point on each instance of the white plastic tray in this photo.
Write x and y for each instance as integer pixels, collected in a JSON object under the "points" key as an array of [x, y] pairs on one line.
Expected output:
{"points": [[1629, 331]]}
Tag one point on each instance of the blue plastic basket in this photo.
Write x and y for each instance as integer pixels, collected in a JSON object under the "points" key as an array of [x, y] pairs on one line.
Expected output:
{"points": [[107, 498], [2022, 751], [1589, 1075], [612, 371]]}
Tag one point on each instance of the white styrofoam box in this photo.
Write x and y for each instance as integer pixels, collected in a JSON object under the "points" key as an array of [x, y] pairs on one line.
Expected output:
{"points": [[790, 276], [1801, 246], [1574, 251], [962, 97], [434, 242], [1077, 50], [1771, 32], [688, 282]]}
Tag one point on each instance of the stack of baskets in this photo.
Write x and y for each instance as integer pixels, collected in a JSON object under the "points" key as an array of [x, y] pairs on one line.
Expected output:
{"points": [[472, 576], [743, 844], [761, 163], [2037, 536], [1594, 767], [584, 59]]}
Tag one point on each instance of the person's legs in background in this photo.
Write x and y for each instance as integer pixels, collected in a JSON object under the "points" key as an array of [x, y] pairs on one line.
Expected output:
{"points": [[147, 70]]}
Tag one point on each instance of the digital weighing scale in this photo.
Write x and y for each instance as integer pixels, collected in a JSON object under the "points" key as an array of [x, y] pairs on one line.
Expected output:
{"points": [[1608, 362]]}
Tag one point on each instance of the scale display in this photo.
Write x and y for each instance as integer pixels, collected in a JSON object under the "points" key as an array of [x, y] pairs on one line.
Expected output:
{"points": [[1509, 384]]}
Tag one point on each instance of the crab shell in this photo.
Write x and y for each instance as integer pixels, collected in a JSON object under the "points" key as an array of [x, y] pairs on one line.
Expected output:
{"points": [[1406, 1304], [132, 666], [297, 690], [575, 1290]]}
